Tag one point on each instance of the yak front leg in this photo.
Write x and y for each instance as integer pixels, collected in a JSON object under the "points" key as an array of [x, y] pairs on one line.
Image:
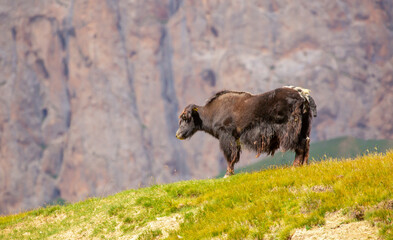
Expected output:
{"points": [[230, 171], [235, 156], [231, 151]]}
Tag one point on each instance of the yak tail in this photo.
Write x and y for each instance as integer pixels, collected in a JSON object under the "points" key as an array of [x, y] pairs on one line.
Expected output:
{"points": [[305, 93], [313, 106]]}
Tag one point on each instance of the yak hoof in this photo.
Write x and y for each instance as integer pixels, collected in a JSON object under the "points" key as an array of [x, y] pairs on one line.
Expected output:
{"points": [[228, 175]]}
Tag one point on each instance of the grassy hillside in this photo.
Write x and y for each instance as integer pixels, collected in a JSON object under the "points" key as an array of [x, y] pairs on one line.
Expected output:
{"points": [[343, 147], [269, 204]]}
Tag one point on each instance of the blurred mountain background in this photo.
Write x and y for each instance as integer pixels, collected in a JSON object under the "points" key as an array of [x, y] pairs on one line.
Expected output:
{"points": [[91, 90]]}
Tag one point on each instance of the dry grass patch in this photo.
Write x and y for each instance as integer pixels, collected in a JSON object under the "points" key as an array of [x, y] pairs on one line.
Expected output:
{"points": [[338, 226]]}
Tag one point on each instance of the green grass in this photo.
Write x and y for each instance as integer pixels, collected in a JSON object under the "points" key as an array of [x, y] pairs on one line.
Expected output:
{"points": [[267, 204], [342, 147]]}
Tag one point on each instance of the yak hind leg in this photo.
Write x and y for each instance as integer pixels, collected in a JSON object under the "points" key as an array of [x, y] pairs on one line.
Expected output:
{"points": [[298, 157], [302, 153], [306, 151], [231, 151]]}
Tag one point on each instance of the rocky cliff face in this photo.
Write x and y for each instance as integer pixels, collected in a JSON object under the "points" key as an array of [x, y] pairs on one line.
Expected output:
{"points": [[90, 90]]}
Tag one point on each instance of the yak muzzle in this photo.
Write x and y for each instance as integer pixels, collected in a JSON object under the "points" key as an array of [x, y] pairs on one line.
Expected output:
{"points": [[178, 135]]}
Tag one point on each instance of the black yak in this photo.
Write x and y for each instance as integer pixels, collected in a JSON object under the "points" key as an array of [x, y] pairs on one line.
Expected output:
{"points": [[264, 123]]}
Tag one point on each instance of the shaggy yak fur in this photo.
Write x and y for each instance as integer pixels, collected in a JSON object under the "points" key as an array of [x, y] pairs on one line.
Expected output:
{"points": [[264, 123]]}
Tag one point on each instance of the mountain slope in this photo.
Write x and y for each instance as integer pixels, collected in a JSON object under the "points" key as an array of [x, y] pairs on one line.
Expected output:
{"points": [[268, 204]]}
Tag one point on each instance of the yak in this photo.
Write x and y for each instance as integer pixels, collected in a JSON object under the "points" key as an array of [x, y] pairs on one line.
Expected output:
{"points": [[278, 119]]}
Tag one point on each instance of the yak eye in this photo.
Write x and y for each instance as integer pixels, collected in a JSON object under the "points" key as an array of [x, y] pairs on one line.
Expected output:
{"points": [[183, 118], [186, 119]]}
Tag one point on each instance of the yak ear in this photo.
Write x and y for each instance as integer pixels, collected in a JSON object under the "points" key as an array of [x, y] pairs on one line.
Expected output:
{"points": [[195, 116], [189, 111], [192, 109]]}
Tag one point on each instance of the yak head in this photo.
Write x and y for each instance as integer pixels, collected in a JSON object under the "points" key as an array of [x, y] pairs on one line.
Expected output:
{"points": [[189, 122]]}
